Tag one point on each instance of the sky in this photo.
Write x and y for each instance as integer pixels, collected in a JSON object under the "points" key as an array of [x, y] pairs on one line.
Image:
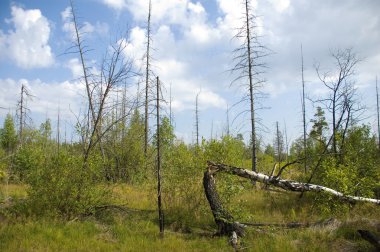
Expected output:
{"points": [[192, 42]]}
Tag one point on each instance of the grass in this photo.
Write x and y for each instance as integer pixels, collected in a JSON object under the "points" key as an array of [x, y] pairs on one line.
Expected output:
{"points": [[12, 190], [136, 228]]}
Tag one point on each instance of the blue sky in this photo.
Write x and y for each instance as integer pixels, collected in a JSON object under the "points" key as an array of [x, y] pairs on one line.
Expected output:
{"points": [[193, 52]]}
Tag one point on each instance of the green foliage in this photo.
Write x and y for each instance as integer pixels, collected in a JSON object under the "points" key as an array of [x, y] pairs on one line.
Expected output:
{"points": [[60, 185], [166, 134], [354, 172], [133, 162], [26, 160], [8, 134], [45, 129], [319, 126]]}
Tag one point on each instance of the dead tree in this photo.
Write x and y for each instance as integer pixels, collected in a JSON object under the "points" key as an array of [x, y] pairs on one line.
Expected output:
{"points": [[58, 129], [341, 100], [228, 120], [303, 112], [160, 212], [115, 70], [226, 223], [197, 120], [22, 110], [247, 66], [378, 114], [147, 74], [279, 143]]}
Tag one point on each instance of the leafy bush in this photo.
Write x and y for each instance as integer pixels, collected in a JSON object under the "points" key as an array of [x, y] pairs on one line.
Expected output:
{"points": [[63, 186]]}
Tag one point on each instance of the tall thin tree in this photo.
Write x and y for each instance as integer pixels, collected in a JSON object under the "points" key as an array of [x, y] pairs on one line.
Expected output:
{"points": [[22, 110], [147, 73], [22, 118], [58, 129], [303, 113], [197, 120], [278, 144], [251, 95], [378, 114], [159, 201], [247, 65], [228, 120]]}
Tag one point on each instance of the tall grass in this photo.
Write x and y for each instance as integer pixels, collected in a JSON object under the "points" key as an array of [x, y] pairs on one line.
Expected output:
{"points": [[135, 228]]}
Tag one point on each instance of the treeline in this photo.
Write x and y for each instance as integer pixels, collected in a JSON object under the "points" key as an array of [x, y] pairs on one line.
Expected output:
{"points": [[62, 182]]}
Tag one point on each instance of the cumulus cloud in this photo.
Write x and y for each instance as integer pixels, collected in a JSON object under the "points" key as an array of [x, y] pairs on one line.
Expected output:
{"points": [[27, 43], [86, 28], [115, 4], [75, 67]]}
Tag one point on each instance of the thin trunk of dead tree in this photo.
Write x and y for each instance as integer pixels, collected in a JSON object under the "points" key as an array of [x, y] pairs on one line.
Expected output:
{"points": [[197, 120], [378, 114], [228, 120], [58, 130], [286, 143], [21, 114], [92, 116], [251, 94], [160, 212], [303, 113], [146, 126], [279, 144]]}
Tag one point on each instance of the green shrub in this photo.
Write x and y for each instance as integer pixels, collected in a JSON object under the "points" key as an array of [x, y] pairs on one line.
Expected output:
{"points": [[63, 186]]}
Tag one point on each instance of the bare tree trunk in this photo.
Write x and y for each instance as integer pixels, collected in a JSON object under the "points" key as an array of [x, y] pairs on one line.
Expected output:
{"points": [[228, 120], [303, 113], [197, 120], [251, 94], [160, 213], [286, 143], [21, 114], [170, 105], [279, 145], [58, 130], [146, 129], [285, 184], [378, 114]]}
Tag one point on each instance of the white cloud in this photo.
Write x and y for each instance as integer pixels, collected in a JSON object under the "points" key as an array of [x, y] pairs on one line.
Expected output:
{"points": [[115, 4], [27, 44], [232, 12], [75, 67], [280, 5], [46, 97], [86, 28], [196, 8], [135, 46]]}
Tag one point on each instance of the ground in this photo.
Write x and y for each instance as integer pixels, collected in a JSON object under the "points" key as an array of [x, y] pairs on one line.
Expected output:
{"points": [[133, 227]]}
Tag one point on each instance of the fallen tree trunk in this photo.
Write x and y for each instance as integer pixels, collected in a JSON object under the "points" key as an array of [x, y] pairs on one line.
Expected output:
{"points": [[288, 185], [225, 221]]}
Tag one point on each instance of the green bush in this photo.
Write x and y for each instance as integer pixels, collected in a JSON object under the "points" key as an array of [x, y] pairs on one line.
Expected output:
{"points": [[63, 186]]}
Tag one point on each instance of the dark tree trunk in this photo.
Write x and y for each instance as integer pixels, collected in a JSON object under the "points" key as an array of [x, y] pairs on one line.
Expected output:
{"points": [[223, 219]]}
